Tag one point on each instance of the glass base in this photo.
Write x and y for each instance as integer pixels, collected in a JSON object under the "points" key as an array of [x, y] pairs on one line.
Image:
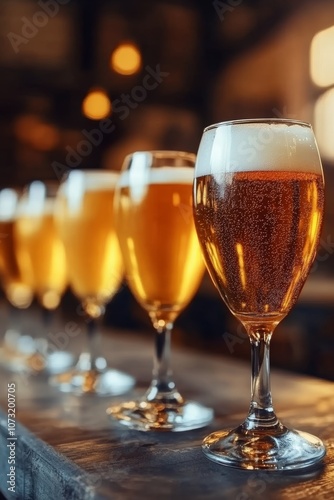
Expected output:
{"points": [[154, 416], [247, 449], [107, 382], [35, 363], [58, 362]]}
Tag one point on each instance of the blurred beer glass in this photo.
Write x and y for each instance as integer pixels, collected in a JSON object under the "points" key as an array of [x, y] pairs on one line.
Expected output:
{"points": [[85, 219], [164, 268], [41, 257], [16, 348]]}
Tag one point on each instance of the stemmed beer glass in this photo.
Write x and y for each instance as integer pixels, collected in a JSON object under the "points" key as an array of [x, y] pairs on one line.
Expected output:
{"points": [[163, 267], [14, 352], [41, 256], [258, 206], [84, 217]]}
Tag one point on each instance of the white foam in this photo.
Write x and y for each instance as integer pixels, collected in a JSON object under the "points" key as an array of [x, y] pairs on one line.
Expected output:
{"points": [[8, 204], [80, 182], [257, 146], [160, 175], [95, 180], [33, 200], [89, 180]]}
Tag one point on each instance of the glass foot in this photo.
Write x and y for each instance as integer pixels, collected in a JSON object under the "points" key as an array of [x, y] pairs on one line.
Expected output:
{"points": [[247, 449], [105, 382], [154, 416], [34, 362], [58, 362]]}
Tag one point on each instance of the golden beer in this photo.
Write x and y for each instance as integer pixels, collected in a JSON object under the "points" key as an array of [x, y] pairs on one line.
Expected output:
{"points": [[260, 236], [38, 243], [16, 281], [86, 223], [258, 207], [162, 257]]}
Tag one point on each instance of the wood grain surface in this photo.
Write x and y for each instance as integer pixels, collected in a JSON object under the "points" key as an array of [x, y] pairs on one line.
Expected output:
{"points": [[68, 449]]}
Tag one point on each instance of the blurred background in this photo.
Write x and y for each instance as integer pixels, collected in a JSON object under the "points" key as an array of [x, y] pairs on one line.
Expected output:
{"points": [[85, 82]]}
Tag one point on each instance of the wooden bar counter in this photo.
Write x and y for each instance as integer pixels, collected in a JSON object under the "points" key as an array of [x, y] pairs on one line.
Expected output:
{"points": [[68, 449]]}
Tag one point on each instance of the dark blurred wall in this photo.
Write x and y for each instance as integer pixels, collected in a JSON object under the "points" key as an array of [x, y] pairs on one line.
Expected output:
{"points": [[204, 61]]}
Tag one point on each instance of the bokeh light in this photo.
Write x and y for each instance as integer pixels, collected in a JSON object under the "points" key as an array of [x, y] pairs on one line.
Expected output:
{"points": [[324, 123], [126, 59], [31, 130], [321, 58], [96, 105]]}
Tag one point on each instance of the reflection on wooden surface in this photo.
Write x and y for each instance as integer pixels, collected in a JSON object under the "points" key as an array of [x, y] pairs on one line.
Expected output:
{"points": [[88, 457]]}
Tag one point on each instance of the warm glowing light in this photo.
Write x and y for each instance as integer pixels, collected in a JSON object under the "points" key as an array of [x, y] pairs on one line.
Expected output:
{"points": [[324, 123], [96, 105], [321, 58], [31, 130], [19, 295], [126, 59], [44, 137], [50, 299]]}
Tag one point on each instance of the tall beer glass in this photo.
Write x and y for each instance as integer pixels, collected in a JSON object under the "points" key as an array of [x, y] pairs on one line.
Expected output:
{"points": [[258, 206], [164, 267], [41, 256], [15, 352], [15, 281], [85, 219], [39, 248]]}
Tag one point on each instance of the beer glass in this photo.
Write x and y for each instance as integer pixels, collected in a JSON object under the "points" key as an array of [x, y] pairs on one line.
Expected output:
{"points": [[39, 248], [16, 350], [258, 207], [84, 217], [163, 267], [41, 257]]}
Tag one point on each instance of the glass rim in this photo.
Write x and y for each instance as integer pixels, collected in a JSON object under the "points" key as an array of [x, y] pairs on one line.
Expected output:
{"points": [[160, 153], [246, 121], [90, 172], [93, 171]]}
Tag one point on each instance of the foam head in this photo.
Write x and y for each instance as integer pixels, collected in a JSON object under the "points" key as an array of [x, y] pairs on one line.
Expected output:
{"points": [[161, 175], [80, 182], [258, 145], [8, 204]]}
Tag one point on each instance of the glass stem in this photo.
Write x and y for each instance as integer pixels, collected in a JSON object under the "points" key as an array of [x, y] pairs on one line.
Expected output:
{"points": [[162, 388], [87, 359], [47, 317], [261, 414]]}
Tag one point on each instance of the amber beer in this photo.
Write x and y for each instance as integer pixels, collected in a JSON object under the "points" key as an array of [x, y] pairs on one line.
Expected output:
{"points": [[86, 223], [39, 245], [162, 257], [260, 236], [14, 282]]}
